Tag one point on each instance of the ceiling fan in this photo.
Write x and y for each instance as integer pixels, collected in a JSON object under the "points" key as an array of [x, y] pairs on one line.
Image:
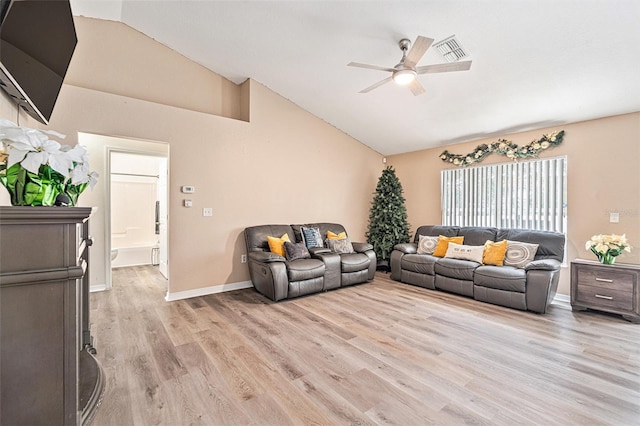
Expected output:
{"points": [[406, 71]]}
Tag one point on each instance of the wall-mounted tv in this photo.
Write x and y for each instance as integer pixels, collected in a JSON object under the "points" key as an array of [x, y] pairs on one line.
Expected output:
{"points": [[37, 40]]}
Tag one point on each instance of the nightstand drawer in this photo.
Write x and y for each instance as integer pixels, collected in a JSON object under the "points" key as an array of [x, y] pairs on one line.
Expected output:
{"points": [[606, 279], [605, 297]]}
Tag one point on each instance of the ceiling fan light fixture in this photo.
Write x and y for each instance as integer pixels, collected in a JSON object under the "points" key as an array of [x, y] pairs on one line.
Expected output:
{"points": [[404, 77]]}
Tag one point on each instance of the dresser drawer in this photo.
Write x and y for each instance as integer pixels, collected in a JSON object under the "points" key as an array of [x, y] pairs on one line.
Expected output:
{"points": [[605, 297], [606, 279]]}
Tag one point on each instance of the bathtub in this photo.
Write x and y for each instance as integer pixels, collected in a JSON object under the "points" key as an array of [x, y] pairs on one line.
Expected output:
{"points": [[133, 256]]}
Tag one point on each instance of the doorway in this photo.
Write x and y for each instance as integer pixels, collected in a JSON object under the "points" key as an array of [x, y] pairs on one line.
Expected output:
{"points": [[138, 201]]}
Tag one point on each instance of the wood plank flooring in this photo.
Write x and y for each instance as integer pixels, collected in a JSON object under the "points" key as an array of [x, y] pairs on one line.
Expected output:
{"points": [[377, 353]]}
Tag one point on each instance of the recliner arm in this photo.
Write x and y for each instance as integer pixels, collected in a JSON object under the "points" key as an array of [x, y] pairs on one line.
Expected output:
{"points": [[406, 248], [361, 247], [265, 256], [543, 265]]}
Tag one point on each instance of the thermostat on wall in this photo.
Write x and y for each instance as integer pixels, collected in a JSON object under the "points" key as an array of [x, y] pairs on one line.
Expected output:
{"points": [[188, 189]]}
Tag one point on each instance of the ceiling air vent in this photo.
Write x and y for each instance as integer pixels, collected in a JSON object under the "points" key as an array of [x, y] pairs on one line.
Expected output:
{"points": [[451, 49]]}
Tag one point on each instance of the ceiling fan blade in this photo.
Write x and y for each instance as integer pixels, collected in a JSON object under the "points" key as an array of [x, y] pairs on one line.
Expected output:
{"points": [[418, 49], [416, 87], [371, 67], [375, 86], [453, 66]]}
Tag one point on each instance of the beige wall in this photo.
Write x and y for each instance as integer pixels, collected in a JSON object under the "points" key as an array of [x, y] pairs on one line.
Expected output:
{"points": [[603, 167], [285, 166]]}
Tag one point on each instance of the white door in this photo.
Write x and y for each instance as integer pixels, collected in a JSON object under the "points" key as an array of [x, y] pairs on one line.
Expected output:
{"points": [[162, 218]]}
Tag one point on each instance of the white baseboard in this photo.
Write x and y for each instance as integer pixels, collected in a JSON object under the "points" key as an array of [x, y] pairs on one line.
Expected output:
{"points": [[179, 295], [97, 287], [562, 298]]}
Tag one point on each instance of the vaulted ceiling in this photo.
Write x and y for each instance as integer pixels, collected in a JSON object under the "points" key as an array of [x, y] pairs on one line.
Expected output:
{"points": [[536, 63]]}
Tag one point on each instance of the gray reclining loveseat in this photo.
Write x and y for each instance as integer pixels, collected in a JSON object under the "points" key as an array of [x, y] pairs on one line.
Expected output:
{"points": [[277, 278], [532, 286]]}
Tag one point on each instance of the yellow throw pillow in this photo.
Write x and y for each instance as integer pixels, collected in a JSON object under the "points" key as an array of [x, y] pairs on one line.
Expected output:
{"points": [[443, 244], [494, 252], [333, 236], [276, 245]]}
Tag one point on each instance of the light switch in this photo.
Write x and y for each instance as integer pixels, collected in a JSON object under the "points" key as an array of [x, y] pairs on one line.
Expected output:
{"points": [[187, 203], [614, 217], [186, 189]]}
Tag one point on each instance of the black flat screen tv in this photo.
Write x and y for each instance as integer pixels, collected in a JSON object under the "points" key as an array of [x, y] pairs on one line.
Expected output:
{"points": [[37, 40]]}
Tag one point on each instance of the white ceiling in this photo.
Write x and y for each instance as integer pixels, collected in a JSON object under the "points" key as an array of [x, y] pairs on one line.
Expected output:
{"points": [[536, 63]]}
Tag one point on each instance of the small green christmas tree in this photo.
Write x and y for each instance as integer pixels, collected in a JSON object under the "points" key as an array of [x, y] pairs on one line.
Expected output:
{"points": [[388, 224]]}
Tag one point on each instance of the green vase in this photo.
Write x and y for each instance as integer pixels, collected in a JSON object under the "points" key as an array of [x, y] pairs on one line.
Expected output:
{"points": [[607, 259], [30, 189]]}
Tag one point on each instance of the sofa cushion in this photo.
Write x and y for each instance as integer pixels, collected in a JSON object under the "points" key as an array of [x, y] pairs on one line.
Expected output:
{"points": [[420, 263], [551, 244], [456, 268], [354, 262], [276, 245], [501, 277], [435, 230], [305, 269], [460, 251], [295, 251], [311, 237], [443, 244], [494, 253], [427, 244], [519, 254], [477, 236]]}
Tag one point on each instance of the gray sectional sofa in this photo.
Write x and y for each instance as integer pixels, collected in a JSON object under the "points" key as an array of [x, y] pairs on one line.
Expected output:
{"points": [[529, 287], [278, 278]]}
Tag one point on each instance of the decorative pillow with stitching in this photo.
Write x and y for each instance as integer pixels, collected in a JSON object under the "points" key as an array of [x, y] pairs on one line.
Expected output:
{"points": [[334, 236], [443, 244], [340, 246], [311, 237], [459, 251], [494, 252], [426, 244], [276, 245], [295, 251], [519, 253]]}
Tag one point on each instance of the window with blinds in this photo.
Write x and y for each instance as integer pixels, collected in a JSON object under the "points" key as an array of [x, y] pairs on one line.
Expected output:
{"points": [[527, 195]]}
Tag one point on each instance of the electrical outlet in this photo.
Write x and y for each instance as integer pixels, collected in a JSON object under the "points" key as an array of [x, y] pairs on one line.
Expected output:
{"points": [[243, 258], [207, 211], [614, 217]]}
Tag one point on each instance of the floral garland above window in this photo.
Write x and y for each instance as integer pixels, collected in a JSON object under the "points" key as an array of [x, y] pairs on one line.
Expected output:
{"points": [[505, 147]]}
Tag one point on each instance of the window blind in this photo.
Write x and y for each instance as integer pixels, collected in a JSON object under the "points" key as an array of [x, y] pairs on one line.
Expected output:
{"points": [[527, 195]]}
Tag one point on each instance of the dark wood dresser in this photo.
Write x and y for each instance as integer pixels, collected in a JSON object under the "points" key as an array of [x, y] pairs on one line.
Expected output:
{"points": [[609, 288], [48, 373]]}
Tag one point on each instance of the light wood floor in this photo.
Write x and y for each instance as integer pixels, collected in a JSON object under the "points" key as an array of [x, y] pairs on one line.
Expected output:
{"points": [[377, 353]]}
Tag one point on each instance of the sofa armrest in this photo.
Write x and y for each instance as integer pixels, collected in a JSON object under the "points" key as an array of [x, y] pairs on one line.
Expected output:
{"points": [[361, 247], [406, 248], [265, 256], [543, 265], [318, 250]]}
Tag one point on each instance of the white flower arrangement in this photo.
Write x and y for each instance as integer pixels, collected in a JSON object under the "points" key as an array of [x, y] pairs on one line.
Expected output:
{"points": [[607, 247], [35, 169]]}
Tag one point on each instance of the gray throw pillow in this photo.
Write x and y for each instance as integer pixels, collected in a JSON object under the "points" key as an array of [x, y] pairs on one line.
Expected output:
{"points": [[311, 237], [295, 251], [519, 253], [340, 246]]}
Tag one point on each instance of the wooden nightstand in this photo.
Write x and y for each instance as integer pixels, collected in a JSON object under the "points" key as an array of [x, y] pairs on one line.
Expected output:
{"points": [[609, 288]]}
